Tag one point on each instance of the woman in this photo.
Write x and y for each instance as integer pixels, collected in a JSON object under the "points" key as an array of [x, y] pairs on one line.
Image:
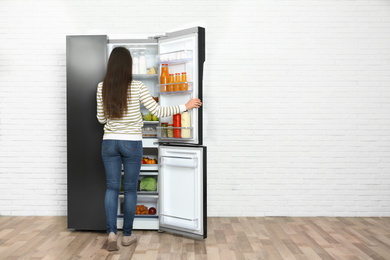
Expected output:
{"points": [[118, 107]]}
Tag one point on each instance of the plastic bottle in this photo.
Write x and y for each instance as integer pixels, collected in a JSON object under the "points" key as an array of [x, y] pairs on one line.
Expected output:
{"points": [[185, 122], [135, 63], [142, 63]]}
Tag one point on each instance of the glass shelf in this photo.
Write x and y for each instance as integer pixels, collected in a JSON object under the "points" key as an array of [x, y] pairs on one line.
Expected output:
{"points": [[151, 122], [158, 88], [145, 76], [163, 133]]}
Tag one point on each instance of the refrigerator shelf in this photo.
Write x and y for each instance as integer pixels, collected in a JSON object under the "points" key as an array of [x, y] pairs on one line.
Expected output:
{"points": [[150, 122], [149, 167], [142, 192], [141, 216], [149, 134], [175, 57], [145, 76], [146, 216]]}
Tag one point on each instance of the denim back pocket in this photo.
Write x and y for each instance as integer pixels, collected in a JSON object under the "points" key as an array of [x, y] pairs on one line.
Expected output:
{"points": [[132, 145], [106, 144]]}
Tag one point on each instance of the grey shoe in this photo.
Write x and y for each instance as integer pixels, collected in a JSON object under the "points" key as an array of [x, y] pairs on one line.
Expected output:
{"points": [[112, 244], [128, 240]]}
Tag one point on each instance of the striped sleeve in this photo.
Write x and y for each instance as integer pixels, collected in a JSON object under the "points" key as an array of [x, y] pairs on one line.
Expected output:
{"points": [[153, 107], [99, 100]]}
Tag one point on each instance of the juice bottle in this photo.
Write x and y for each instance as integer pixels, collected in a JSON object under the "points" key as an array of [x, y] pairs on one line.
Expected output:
{"points": [[164, 77], [170, 81], [176, 87], [185, 122], [184, 85], [177, 123]]}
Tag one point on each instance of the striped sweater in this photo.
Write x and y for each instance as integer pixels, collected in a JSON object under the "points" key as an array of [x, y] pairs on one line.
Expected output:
{"points": [[129, 127]]}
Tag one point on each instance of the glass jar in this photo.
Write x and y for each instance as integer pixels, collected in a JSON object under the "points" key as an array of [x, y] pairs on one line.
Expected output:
{"points": [[170, 131], [164, 129]]}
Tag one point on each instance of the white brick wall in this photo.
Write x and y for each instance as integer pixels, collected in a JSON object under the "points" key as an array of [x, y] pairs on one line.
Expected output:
{"points": [[297, 100]]}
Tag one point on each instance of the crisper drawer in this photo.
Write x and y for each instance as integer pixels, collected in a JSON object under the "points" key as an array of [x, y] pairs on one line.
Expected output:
{"points": [[144, 222], [150, 142], [147, 206]]}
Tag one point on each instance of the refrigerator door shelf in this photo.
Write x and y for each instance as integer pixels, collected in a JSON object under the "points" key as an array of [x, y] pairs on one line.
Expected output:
{"points": [[175, 57], [184, 223], [162, 133], [179, 162], [166, 86]]}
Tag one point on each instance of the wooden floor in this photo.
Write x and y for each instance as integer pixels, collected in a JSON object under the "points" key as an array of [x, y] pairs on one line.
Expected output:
{"points": [[228, 238]]}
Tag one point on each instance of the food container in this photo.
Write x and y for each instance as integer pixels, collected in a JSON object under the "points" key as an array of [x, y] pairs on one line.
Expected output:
{"points": [[177, 123], [170, 131], [185, 122], [164, 129]]}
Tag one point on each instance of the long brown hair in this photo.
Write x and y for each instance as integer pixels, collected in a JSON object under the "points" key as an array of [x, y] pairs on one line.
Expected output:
{"points": [[116, 83]]}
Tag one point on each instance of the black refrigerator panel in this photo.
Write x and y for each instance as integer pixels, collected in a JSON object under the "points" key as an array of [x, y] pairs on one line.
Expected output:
{"points": [[86, 59]]}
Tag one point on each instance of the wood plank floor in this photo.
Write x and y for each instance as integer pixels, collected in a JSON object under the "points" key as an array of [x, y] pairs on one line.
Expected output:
{"points": [[228, 238]]}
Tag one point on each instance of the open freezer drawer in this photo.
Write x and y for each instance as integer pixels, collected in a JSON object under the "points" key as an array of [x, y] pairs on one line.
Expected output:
{"points": [[182, 190]]}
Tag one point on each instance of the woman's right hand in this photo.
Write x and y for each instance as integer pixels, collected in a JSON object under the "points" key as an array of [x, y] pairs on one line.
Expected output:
{"points": [[193, 103]]}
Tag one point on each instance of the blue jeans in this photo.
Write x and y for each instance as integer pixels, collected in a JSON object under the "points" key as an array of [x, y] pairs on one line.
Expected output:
{"points": [[114, 154]]}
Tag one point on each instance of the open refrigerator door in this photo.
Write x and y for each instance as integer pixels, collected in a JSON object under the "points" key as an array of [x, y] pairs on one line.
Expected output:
{"points": [[183, 190], [182, 55]]}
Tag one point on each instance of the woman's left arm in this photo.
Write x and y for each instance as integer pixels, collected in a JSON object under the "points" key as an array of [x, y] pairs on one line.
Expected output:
{"points": [[99, 100]]}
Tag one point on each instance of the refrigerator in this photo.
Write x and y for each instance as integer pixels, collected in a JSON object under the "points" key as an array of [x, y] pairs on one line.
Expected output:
{"points": [[180, 169]]}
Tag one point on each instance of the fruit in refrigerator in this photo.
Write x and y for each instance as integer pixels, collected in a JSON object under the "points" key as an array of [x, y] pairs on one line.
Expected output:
{"points": [[151, 161], [152, 211], [148, 118], [154, 118], [141, 210]]}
